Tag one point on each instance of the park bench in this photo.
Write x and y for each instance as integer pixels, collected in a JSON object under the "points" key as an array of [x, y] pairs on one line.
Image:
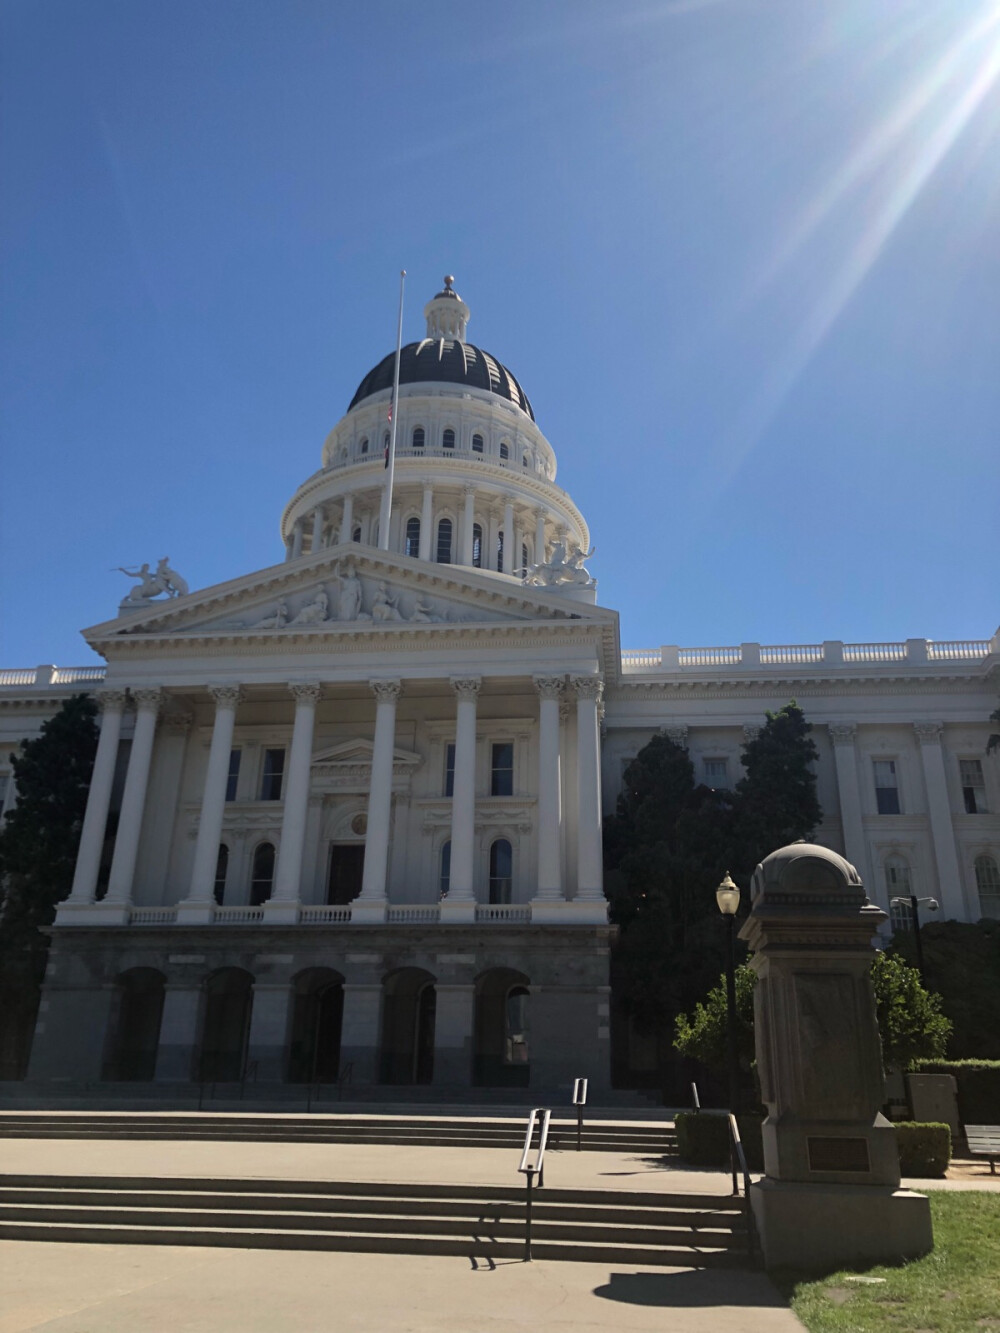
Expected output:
{"points": [[984, 1141]]}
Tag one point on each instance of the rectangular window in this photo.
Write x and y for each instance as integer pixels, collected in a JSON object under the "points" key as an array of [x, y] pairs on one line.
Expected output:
{"points": [[273, 772], [886, 787], [449, 770], [973, 786], [233, 777], [502, 769], [717, 773]]}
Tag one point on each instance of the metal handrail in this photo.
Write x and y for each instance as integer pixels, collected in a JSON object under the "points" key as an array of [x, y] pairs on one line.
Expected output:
{"points": [[537, 1169], [738, 1161]]}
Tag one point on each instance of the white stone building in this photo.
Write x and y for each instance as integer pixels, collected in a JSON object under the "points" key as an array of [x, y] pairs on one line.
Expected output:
{"points": [[358, 793]]}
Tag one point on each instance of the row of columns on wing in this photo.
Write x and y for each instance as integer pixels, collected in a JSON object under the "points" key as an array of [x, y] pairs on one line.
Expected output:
{"points": [[288, 871], [503, 537]]}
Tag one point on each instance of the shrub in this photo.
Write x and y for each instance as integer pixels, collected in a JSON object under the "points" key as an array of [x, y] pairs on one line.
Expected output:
{"points": [[924, 1149], [703, 1139], [978, 1087]]}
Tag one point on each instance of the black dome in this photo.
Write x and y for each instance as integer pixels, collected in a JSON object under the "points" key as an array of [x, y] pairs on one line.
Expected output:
{"points": [[433, 361]]}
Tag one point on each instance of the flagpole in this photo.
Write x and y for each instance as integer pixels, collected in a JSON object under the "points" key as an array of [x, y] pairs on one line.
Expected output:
{"points": [[390, 462]]}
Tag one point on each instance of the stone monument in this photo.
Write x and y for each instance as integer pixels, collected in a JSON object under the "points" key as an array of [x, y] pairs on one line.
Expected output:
{"points": [[830, 1192]]}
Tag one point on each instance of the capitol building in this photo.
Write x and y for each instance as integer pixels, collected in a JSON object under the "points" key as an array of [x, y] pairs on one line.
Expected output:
{"points": [[345, 814]]}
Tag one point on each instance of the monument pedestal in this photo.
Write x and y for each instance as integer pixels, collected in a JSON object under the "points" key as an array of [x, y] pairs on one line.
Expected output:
{"points": [[829, 1226]]}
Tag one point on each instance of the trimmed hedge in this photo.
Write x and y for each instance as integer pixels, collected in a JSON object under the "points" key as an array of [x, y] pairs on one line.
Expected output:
{"points": [[924, 1148], [978, 1087], [703, 1139]]}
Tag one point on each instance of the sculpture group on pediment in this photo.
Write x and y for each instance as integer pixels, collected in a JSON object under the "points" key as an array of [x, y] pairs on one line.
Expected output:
{"points": [[314, 612], [152, 584], [346, 606], [564, 567]]}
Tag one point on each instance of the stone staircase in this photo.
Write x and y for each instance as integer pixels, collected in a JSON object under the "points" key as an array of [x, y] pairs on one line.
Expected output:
{"points": [[457, 1131], [481, 1223]]}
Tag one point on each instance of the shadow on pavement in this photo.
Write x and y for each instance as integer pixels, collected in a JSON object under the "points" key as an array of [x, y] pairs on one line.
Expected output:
{"points": [[692, 1287]]}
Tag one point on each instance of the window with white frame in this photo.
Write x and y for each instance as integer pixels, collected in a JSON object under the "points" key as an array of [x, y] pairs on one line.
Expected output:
{"points": [[444, 878], [973, 786], [272, 775], [504, 450], [988, 887], [897, 885], [418, 437], [412, 537], [262, 874], [448, 439], [221, 871], [717, 774], [477, 545], [502, 769], [449, 770], [501, 871], [886, 787], [444, 542], [233, 776], [477, 444]]}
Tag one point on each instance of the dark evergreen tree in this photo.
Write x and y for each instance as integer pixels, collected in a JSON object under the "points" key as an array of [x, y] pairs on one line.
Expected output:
{"points": [[38, 844], [776, 800]]}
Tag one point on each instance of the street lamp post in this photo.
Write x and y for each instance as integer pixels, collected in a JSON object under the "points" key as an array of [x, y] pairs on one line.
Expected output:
{"points": [[914, 904], [727, 895]]}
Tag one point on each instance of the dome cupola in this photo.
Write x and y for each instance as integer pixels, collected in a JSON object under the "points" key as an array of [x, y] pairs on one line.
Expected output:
{"points": [[447, 315]]}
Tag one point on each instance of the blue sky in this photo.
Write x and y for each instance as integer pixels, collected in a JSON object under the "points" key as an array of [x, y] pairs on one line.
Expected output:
{"points": [[742, 256]]}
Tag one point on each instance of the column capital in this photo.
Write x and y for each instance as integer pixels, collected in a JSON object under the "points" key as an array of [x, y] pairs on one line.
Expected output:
{"points": [[178, 723], [679, 735], [466, 688], [751, 730], [928, 733], [386, 691], [111, 701], [549, 687], [148, 700], [226, 696], [468, 491], [305, 692], [588, 687], [842, 733]]}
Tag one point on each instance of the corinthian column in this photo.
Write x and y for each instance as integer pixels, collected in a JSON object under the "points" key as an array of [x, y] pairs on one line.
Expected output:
{"points": [[942, 827], [370, 905], [549, 888], [460, 904], [283, 905], [88, 858], [134, 798], [589, 863], [197, 907]]}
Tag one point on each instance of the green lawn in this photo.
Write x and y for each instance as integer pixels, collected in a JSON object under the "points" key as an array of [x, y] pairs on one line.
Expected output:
{"points": [[955, 1289]]}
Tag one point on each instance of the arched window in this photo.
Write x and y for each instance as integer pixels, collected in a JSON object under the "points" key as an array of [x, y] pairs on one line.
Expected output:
{"points": [[897, 885], [444, 542], [221, 870], [412, 536], [501, 870], [418, 437], [525, 461], [500, 536], [524, 560], [477, 444], [504, 451], [988, 885], [448, 439], [364, 446], [356, 534], [445, 879], [262, 874], [477, 545]]}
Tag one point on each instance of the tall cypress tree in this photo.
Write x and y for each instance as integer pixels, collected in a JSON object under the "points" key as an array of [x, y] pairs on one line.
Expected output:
{"points": [[776, 800]]}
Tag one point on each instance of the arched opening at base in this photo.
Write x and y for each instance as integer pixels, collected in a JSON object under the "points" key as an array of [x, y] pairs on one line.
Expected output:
{"points": [[501, 1053], [135, 1025], [317, 1017], [409, 1003], [226, 1025]]}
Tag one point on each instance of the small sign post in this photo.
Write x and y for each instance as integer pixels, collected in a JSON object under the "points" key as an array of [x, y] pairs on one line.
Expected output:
{"points": [[579, 1101]]}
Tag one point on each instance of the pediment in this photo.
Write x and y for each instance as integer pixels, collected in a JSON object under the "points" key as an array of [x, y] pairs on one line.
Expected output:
{"points": [[358, 753], [345, 590]]}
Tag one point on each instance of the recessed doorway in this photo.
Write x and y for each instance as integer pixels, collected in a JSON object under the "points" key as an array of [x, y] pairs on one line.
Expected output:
{"points": [[347, 868]]}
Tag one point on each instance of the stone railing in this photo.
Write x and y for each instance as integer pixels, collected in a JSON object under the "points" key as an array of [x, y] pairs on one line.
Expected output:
{"points": [[323, 914], [238, 916], [152, 916], [410, 914], [47, 676], [506, 912], [832, 653]]}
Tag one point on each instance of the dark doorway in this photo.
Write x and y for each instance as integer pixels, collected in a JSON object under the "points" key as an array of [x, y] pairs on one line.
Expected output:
{"points": [[314, 1056], [502, 1051], [409, 1004], [226, 1028], [347, 867], [136, 1025]]}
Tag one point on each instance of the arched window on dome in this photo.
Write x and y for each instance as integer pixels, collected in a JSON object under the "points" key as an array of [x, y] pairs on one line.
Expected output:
{"points": [[524, 561], [444, 542], [501, 871], [363, 446], [356, 534], [477, 545], [504, 449], [897, 885], [988, 887], [500, 536], [477, 444], [525, 461], [444, 880], [412, 537], [418, 437], [448, 439], [262, 874]]}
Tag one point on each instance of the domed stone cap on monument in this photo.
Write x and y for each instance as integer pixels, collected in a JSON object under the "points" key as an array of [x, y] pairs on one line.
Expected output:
{"points": [[803, 873], [444, 357]]}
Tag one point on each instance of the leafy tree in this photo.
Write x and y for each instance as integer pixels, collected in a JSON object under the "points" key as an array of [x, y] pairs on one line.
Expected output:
{"points": [[38, 845], [910, 1021]]}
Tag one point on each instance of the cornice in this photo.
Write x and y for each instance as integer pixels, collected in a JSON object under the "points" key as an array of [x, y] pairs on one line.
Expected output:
{"points": [[625, 690]]}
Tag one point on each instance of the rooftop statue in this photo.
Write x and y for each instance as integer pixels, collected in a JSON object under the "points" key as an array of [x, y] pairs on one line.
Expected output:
{"points": [[562, 568], [150, 585]]}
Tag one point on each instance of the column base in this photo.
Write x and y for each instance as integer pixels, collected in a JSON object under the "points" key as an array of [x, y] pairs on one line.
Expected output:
{"points": [[281, 913], [195, 914], [368, 911], [569, 912], [459, 913], [92, 914]]}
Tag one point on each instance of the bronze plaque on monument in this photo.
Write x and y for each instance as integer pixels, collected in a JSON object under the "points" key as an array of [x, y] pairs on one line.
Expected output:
{"points": [[830, 1154]]}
